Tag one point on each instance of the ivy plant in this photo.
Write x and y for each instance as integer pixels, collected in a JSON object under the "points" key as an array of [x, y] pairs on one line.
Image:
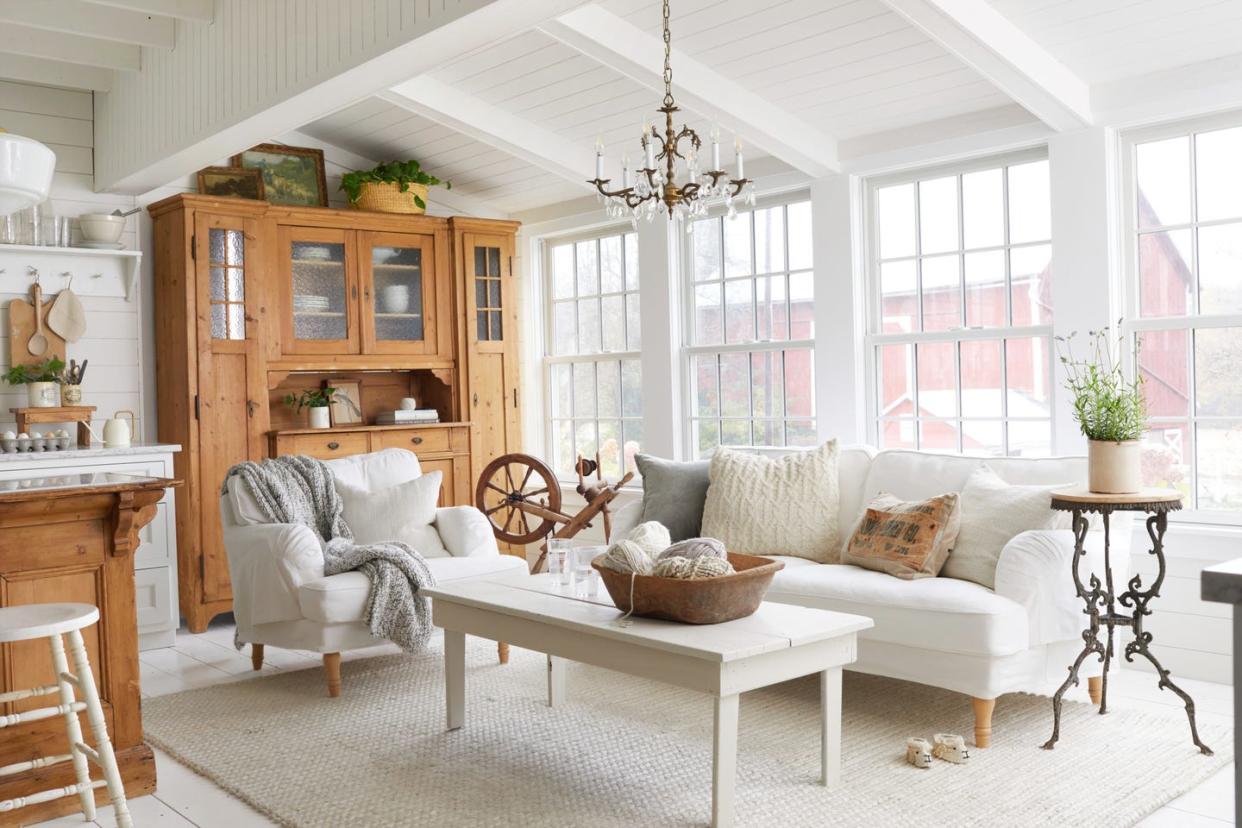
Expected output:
{"points": [[310, 398], [50, 370], [401, 173], [1108, 405]]}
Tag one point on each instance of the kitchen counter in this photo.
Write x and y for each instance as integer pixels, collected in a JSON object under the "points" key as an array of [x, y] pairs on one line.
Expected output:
{"points": [[69, 455]]}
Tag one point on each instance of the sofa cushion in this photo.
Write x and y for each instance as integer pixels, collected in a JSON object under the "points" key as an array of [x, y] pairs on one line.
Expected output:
{"points": [[402, 513], [941, 614], [905, 538], [784, 506], [342, 598], [674, 494]]}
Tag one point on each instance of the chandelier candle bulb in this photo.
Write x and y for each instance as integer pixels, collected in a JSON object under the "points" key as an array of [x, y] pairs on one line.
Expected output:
{"points": [[599, 158], [737, 149], [715, 150]]}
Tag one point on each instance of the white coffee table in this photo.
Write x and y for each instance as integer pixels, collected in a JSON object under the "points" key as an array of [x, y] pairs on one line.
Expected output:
{"points": [[779, 642]]}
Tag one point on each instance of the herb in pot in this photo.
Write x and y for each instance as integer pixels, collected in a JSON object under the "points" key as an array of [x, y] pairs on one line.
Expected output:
{"points": [[1108, 406], [310, 398], [50, 370]]}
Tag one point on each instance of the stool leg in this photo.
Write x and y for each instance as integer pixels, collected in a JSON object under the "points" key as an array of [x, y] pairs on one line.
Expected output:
{"points": [[73, 728], [103, 744]]}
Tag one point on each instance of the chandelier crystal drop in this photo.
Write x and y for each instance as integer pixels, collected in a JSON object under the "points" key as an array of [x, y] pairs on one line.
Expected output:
{"points": [[672, 179]]}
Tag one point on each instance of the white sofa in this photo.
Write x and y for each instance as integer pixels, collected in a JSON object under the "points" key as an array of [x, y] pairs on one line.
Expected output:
{"points": [[1020, 636], [280, 594]]}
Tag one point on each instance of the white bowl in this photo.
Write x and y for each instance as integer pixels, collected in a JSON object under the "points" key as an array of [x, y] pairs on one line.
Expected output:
{"points": [[101, 227]]}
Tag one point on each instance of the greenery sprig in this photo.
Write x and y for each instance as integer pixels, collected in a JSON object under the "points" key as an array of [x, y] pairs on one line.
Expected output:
{"points": [[50, 370], [401, 173], [1107, 405], [310, 398]]}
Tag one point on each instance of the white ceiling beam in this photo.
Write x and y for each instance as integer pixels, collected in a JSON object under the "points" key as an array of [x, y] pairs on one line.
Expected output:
{"points": [[87, 51], [54, 73], [623, 47], [481, 121], [988, 42], [201, 11], [456, 202], [81, 18]]}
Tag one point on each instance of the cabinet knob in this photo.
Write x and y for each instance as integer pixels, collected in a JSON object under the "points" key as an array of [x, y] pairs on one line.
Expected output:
{"points": [[334, 445], [416, 440]]}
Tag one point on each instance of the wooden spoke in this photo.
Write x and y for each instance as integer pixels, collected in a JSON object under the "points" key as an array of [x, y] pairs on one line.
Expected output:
{"points": [[526, 479], [496, 488], [509, 477], [544, 490], [496, 508], [509, 519], [525, 525]]}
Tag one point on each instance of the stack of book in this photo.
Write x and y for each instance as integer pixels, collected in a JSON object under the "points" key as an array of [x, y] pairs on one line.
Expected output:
{"points": [[411, 416]]}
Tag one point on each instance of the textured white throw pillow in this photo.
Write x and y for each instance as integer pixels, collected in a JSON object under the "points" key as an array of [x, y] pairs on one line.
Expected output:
{"points": [[398, 513], [774, 506], [993, 513]]}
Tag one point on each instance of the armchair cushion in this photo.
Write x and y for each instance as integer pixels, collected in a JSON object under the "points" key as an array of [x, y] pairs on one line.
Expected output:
{"points": [[404, 512], [465, 532]]}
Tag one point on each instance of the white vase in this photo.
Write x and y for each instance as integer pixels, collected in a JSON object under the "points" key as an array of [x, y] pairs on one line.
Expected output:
{"points": [[320, 417], [1114, 467], [43, 394]]}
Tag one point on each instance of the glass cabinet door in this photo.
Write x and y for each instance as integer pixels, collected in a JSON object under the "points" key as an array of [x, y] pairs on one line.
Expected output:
{"points": [[226, 294], [488, 296], [398, 292], [321, 290]]}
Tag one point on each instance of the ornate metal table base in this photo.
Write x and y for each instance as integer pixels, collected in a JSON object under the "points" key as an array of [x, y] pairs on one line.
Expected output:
{"points": [[1103, 602]]}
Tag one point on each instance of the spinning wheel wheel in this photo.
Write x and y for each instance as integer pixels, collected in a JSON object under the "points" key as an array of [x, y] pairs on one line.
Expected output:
{"points": [[520, 495]]}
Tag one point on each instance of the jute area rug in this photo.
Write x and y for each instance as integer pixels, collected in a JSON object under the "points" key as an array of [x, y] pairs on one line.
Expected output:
{"points": [[629, 752]]}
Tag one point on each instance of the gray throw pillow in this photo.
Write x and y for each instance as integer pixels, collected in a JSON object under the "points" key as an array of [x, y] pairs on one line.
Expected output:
{"points": [[674, 494]]}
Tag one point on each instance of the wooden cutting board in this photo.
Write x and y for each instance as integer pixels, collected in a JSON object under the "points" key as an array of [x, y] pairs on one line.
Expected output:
{"points": [[22, 327]]}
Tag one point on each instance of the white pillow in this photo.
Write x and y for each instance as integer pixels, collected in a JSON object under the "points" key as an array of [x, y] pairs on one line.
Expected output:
{"points": [[993, 513], [403, 512], [774, 506]]}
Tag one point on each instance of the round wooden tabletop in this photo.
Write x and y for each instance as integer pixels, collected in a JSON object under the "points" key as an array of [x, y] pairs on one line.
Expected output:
{"points": [[1148, 499]]}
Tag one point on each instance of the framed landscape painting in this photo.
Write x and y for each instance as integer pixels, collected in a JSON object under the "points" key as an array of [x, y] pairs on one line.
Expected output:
{"points": [[230, 181], [291, 175]]}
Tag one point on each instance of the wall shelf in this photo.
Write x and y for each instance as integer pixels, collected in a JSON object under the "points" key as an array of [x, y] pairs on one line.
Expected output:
{"points": [[94, 272]]}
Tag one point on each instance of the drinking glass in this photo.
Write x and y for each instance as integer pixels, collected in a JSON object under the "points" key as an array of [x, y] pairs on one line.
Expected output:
{"points": [[583, 556], [559, 551]]}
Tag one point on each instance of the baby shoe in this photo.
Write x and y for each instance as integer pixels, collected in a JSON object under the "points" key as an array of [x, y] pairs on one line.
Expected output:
{"points": [[950, 748], [918, 752]]}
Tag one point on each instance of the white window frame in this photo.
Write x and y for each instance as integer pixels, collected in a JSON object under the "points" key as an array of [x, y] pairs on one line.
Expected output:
{"points": [[1133, 324], [550, 359], [873, 339], [689, 350]]}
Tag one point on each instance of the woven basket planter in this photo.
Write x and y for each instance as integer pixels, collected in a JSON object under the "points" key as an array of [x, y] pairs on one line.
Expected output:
{"points": [[388, 198]]}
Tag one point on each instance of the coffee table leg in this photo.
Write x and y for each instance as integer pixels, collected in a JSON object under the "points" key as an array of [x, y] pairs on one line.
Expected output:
{"points": [[556, 681], [455, 677], [830, 727], [724, 761]]}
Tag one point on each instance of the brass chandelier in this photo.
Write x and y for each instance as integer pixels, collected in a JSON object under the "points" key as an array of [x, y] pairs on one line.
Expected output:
{"points": [[655, 190]]}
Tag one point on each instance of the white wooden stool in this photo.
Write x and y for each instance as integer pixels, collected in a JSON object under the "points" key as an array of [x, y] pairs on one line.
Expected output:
{"points": [[51, 621]]}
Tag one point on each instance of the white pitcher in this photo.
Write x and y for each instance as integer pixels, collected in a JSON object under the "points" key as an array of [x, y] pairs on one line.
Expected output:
{"points": [[117, 433]]}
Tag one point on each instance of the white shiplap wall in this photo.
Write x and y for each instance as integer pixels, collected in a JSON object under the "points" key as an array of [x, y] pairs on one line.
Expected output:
{"points": [[62, 119]]}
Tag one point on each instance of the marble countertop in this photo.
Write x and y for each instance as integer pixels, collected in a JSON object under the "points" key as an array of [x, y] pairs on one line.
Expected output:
{"points": [[26, 488], [1223, 582], [96, 450]]}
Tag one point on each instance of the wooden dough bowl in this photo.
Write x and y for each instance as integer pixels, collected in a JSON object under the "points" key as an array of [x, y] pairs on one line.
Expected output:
{"points": [[697, 601]]}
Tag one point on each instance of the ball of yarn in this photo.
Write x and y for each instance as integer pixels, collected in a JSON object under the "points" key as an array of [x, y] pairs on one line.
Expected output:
{"points": [[652, 536], [704, 566], [628, 557], [695, 548]]}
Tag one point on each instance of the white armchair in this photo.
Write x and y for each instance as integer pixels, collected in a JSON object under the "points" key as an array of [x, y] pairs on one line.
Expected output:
{"points": [[280, 594]]}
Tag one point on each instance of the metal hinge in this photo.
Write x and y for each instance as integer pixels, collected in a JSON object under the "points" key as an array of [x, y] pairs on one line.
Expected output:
{"points": [[510, 265], [196, 410], [193, 248], [515, 404]]}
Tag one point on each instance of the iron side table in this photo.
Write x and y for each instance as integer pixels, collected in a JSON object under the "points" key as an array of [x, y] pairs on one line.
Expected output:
{"points": [[1108, 608]]}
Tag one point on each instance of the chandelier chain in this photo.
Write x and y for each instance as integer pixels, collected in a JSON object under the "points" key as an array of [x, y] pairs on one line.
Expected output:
{"points": [[668, 59]]}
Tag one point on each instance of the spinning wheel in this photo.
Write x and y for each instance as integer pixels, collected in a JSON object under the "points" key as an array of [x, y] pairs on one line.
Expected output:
{"points": [[520, 495]]}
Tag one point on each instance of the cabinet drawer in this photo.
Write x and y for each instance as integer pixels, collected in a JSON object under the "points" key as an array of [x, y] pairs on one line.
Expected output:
{"points": [[326, 446], [153, 599], [417, 440]]}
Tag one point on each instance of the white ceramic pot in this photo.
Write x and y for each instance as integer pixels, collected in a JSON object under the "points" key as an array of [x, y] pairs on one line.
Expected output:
{"points": [[1114, 468], [320, 417], [396, 298], [43, 394]]}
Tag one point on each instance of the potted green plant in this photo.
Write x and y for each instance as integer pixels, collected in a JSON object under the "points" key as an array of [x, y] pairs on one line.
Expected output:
{"points": [[1110, 410], [317, 401], [390, 187], [41, 381]]}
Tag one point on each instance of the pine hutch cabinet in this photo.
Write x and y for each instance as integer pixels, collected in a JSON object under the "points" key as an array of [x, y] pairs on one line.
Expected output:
{"points": [[256, 301]]}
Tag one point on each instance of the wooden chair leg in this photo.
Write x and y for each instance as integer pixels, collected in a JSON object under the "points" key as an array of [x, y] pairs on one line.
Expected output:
{"points": [[502, 650], [256, 656], [1095, 688], [332, 669], [983, 721]]}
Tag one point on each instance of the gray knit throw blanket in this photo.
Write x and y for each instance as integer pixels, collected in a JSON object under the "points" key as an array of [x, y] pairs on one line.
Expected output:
{"points": [[299, 489]]}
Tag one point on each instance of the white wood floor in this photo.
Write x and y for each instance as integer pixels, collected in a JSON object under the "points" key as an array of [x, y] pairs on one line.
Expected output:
{"points": [[185, 800]]}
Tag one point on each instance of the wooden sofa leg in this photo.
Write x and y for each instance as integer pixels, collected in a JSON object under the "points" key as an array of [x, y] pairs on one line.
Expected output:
{"points": [[502, 650], [332, 669], [1095, 688], [256, 656], [983, 721]]}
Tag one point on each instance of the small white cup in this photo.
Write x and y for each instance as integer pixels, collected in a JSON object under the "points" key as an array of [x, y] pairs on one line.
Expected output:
{"points": [[408, 403]]}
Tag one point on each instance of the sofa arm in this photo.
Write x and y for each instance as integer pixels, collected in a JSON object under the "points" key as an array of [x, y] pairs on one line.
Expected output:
{"points": [[268, 562], [465, 532], [1034, 570]]}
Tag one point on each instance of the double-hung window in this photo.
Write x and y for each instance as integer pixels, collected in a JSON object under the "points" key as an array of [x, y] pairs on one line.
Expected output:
{"points": [[750, 329], [1184, 296], [960, 319], [592, 360]]}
